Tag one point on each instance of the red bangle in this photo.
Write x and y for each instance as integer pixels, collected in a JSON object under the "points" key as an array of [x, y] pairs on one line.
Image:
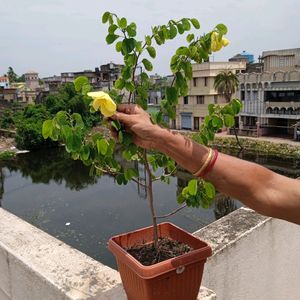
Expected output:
{"points": [[211, 164]]}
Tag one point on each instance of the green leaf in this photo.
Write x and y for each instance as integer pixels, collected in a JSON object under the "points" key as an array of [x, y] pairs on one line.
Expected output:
{"points": [[119, 84], [126, 72], [209, 189], [180, 28], [190, 37], [147, 64], [105, 17], [66, 131], [119, 46], [78, 120], [131, 60], [85, 152], [158, 40], [171, 95], [47, 129], [130, 173], [120, 136], [195, 23], [61, 118], [122, 23], [172, 31], [151, 51], [180, 199], [102, 146], [110, 38], [144, 77], [116, 124], [129, 86], [211, 108], [217, 122], [148, 40], [131, 29], [183, 51], [119, 179], [185, 191], [222, 28], [128, 45], [112, 28], [73, 142], [228, 120], [193, 187], [186, 24], [79, 82], [236, 106]]}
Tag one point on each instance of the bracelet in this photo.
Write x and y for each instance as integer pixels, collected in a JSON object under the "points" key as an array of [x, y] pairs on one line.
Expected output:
{"points": [[206, 163], [211, 164]]}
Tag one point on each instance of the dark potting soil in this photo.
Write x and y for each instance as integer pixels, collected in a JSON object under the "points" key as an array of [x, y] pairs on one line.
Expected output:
{"points": [[147, 255]]}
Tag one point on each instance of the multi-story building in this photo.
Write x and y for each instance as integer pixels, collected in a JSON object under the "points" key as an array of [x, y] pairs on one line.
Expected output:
{"points": [[108, 74], [192, 108], [4, 82], [67, 77], [52, 83], [32, 80], [271, 98]]}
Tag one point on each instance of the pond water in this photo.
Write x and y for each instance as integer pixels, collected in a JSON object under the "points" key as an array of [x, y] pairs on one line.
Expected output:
{"points": [[56, 194]]}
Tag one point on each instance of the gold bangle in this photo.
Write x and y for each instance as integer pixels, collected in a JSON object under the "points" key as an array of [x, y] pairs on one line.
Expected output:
{"points": [[207, 161]]}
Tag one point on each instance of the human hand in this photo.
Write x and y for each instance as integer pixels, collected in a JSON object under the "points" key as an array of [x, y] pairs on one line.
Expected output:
{"points": [[137, 122]]}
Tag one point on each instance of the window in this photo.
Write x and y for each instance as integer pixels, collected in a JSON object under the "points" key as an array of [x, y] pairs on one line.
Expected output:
{"points": [[205, 81], [186, 100], [200, 99], [194, 81]]}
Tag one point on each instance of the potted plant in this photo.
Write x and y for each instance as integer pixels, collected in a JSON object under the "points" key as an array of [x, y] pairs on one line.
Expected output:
{"points": [[161, 261]]}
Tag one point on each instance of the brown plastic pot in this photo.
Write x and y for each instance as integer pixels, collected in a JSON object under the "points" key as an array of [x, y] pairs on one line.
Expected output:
{"points": [[173, 279]]}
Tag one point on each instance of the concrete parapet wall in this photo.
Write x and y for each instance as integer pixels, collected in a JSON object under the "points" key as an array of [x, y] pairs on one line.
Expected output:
{"points": [[254, 257], [37, 266]]}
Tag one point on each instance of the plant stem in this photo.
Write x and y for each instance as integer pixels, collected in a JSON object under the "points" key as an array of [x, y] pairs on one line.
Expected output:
{"points": [[172, 212], [150, 199]]}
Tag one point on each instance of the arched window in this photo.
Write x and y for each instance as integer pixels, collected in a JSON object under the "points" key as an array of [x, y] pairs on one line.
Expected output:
{"points": [[276, 110], [269, 110], [283, 111]]}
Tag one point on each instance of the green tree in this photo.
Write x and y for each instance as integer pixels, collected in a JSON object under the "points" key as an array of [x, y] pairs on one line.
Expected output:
{"points": [[12, 76], [226, 83]]}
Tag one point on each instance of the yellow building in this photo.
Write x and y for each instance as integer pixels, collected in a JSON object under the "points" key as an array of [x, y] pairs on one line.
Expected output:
{"points": [[192, 108]]}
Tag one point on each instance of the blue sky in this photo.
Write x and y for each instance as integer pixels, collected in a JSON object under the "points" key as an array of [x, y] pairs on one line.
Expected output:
{"points": [[57, 36]]}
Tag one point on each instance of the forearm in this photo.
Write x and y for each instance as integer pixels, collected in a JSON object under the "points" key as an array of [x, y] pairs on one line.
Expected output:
{"points": [[257, 187]]}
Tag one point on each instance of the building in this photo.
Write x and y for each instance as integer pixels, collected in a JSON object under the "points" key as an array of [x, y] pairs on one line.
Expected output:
{"points": [[32, 80], [4, 82], [108, 74], [271, 98], [67, 77], [52, 83], [192, 108], [91, 75], [244, 56]]}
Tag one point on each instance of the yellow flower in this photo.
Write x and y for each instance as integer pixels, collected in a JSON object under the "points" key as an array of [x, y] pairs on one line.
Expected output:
{"points": [[103, 102], [217, 43], [225, 42]]}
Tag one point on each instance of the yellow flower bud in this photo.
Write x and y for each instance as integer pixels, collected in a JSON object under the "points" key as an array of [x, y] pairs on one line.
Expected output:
{"points": [[103, 102], [225, 42]]}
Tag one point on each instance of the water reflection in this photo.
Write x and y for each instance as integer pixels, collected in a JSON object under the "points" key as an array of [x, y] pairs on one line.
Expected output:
{"points": [[50, 190]]}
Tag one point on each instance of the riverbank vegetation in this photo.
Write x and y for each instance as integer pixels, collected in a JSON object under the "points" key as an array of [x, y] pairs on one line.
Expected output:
{"points": [[28, 121], [251, 145]]}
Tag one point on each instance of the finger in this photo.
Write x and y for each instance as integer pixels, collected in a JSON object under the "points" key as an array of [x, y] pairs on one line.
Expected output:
{"points": [[123, 118], [126, 108]]}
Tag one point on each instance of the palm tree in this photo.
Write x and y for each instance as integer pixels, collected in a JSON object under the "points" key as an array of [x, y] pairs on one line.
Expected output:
{"points": [[226, 83]]}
